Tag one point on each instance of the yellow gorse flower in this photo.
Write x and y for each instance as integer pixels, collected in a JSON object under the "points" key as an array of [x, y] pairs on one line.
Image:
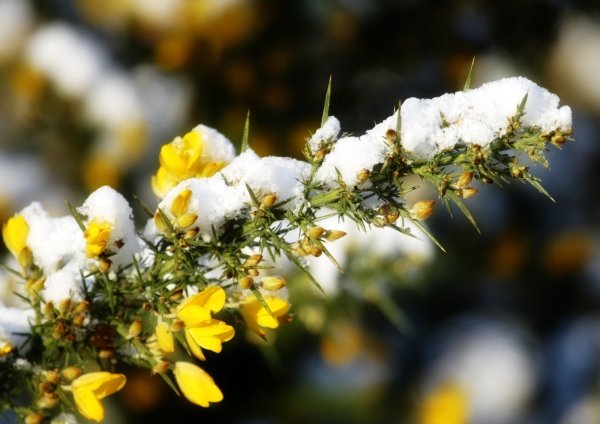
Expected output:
{"points": [[5, 347], [197, 386], [14, 234], [180, 160], [208, 336], [448, 404], [196, 310], [96, 235], [90, 388], [165, 338], [257, 316]]}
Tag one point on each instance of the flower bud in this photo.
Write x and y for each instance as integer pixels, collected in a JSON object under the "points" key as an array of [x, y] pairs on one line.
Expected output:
{"points": [[71, 373], [177, 294], [516, 172], [81, 307], [315, 232], [253, 260], [186, 220], [34, 419], [161, 367], [51, 376], [25, 258], [392, 217], [176, 325], [135, 329], [64, 305], [105, 265], [317, 251], [268, 201], [78, 321], [384, 210], [272, 283], [252, 272], [190, 234], [245, 282], [300, 249], [49, 309], [106, 353], [45, 387], [47, 401], [160, 224], [320, 155], [559, 140], [422, 210], [59, 330], [464, 180], [487, 180], [391, 136], [467, 192], [363, 176], [333, 235]]}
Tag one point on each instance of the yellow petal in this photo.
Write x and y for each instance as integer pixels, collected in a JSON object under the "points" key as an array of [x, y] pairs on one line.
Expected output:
{"points": [[173, 163], [88, 405], [90, 388], [194, 346], [253, 311], [186, 220], [165, 338], [163, 182], [196, 309], [181, 203], [15, 233], [96, 235], [209, 169], [197, 386], [193, 315], [212, 334]]}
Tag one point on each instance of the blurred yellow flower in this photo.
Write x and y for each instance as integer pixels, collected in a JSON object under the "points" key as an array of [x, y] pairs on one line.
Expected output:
{"points": [[90, 388], [5, 347], [197, 386], [165, 338], [97, 235], [208, 336], [448, 404], [180, 160], [15, 233], [257, 316], [196, 310]]}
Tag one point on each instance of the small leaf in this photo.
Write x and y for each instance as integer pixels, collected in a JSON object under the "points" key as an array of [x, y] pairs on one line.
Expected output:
{"points": [[326, 106], [12, 271], [144, 206], [462, 207], [170, 382], [387, 306], [75, 215], [166, 220], [252, 196], [468, 81], [246, 132], [295, 260], [262, 301]]}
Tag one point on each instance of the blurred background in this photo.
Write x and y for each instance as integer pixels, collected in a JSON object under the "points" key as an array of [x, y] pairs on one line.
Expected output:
{"points": [[502, 329]]}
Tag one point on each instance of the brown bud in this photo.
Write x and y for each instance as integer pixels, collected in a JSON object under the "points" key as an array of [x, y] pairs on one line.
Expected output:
{"points": [[487, 180], [34, 419], [161, 367], [71, 373], [46, 387], [384, 210], [559, 140], [177, 294], [252, 272], [176, 325], [59, 330], [392, 217], [105, 265], [186, 220], [81, 307], [268, 201], [49, 309], [317, 251], [391, 136], [516, 172], [245, 282], [464, 180], [190, 234], [320, 155], [253, 260], [272, 283], [148, 306], [363, 176], [315, 232], [135, 329], [78, 321], [467, 192], [333, 235]]}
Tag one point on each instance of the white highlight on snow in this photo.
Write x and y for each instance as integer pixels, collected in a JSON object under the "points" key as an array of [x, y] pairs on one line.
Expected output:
{"points": [[12, 321], [217, 147], [328, 132]]}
